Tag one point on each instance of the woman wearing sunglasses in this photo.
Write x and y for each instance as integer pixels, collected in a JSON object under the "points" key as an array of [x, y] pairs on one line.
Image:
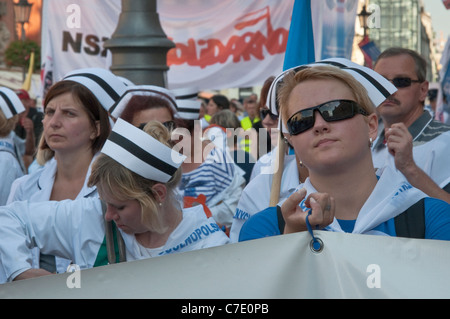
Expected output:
{"points": [[332, 124]]}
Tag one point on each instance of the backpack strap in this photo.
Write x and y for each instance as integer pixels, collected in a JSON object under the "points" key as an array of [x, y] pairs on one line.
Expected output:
{"points": [[411, 223], [447, 188], [281, 221], [113, 246]]}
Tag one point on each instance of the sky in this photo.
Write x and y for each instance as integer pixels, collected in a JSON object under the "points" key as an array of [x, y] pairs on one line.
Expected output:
{"points": [[440, 17]]}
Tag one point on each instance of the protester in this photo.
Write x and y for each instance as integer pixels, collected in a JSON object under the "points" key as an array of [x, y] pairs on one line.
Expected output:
{"points": [[209, 170], [412, 141], [216, 103], [135, 175], [332, 123], [75, 127], [29, 127], [251, 110], [227, 120], [143, 103], [10, 165]]}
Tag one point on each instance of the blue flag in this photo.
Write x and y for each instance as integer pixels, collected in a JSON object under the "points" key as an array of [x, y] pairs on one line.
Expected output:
{"points": [[300, 45]]}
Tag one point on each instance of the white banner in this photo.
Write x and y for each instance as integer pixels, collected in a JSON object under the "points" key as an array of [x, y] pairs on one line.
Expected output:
{"points": [[348, 266], [219, 43]]}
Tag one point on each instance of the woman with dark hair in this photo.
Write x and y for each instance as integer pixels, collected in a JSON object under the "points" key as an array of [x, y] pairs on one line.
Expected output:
{"points": [[136, 175], [76, 124]]}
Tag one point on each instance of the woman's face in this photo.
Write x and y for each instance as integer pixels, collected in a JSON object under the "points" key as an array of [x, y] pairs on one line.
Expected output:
{"points": [[126, 214], [161, 114], [211, 108], [327, 145], [66, 125]]}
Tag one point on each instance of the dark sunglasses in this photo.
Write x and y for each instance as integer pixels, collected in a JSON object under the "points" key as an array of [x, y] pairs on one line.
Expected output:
{"points": [[331, 111], [265, 112], [170, 125], [402, 82]]}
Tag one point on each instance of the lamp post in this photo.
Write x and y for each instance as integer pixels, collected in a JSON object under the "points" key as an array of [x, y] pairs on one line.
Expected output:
{"points": [[139, 45], [22, 10], [363, 15]]}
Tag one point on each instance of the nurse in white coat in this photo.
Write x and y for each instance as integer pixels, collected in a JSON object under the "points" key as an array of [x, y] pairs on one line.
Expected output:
{"points": [[136, 178], [75, 126], [10, 168]]}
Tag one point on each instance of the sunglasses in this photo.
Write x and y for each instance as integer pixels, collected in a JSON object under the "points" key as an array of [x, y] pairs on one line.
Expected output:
{"points": [[170, 125], [331, 111], [402, 82], [265, 112]]}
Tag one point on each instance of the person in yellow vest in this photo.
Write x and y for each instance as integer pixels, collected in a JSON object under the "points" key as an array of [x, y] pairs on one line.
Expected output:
{"points": [[251, 107]]}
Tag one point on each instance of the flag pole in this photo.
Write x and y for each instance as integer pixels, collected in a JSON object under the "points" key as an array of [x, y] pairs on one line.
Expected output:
{"points": [[299, 50], [278, 173], [27, 83]]}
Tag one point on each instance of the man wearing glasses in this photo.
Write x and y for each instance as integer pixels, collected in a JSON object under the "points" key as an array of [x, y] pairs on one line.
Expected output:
{"points": [[412, 140]]}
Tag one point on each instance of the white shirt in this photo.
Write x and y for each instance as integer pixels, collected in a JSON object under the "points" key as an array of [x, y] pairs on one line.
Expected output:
{"points": [[10, 168], [74, 229], [36, 187], [256, 195]]}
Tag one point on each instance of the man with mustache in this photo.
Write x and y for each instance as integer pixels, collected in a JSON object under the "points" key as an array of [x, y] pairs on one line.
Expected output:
{"points": [[412, 140]]}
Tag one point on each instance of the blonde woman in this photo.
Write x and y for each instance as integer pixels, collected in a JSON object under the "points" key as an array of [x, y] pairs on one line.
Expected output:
{"points": [[332, 124], [135, 175]]}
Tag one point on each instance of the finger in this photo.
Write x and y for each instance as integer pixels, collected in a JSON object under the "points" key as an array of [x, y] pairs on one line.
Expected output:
{"points": [[328, 213], [291, 203], [316, 217]]}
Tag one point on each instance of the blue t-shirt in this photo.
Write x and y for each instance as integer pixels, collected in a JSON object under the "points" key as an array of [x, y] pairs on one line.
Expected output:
{"points": [[437, 223]]}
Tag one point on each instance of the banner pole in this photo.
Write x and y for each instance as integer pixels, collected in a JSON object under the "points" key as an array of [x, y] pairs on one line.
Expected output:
{"points": [[278, 174]]}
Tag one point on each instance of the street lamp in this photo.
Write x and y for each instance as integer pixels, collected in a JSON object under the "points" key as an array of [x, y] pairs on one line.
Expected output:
{"points": [[22, 10], [363, 15]]}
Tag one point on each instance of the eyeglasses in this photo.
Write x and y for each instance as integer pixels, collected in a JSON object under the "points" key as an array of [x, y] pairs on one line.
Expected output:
{"points": [[402, 82], [265, 112], [331, 111], [170, 125]]}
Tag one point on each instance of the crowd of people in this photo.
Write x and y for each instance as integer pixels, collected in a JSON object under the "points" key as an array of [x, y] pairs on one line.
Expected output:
{"points": [[113, 172]]}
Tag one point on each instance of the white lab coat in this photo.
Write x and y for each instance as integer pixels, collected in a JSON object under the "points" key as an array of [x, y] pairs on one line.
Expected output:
{"points": [[74, 229], [37, 187], [10, 168]]}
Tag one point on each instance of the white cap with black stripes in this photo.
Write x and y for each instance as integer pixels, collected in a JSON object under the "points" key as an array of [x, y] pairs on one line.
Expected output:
{"points": [[188, 104], [105, 85], [378, 88], [144, 90], [10, 103], [141, 153]]}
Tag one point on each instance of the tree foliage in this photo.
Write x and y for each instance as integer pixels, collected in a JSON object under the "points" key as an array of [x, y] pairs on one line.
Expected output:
{"points": [[18, 54]]}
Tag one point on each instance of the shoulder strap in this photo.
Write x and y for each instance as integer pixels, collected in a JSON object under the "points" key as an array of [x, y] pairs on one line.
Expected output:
{"points": [[411, 223], [112, 249], [281, 221]]}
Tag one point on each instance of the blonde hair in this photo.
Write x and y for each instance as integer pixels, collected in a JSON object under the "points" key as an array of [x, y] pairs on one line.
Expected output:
{"points": [[292, 79], [7, 125], [113, 178]]}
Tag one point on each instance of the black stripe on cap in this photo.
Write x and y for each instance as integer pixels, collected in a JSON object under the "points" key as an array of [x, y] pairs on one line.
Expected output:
{"points": [[187, 110], [102, 83], [187, 96], [374, 82], [8, 103], [142, 154], [162, 94]]}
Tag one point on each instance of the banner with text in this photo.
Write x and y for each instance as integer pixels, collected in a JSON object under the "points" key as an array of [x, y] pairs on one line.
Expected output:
{"points": [[219, 44]]}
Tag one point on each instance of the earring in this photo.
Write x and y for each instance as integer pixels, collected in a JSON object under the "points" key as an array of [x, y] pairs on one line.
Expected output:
{"points": [[370, 142], [160, 204], [300, 163]]}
